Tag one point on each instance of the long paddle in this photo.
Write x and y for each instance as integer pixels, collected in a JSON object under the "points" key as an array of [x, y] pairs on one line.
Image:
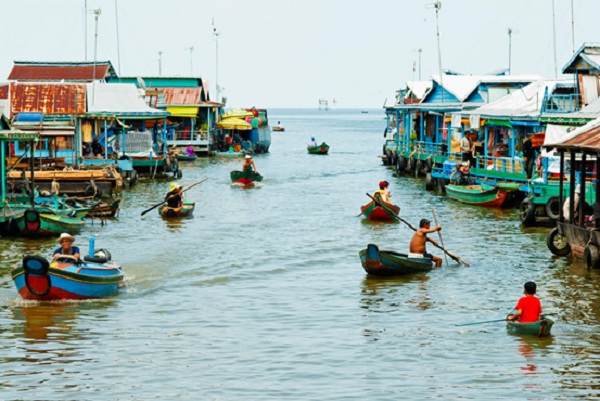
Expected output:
{"points": [[391, 212], [498, 320], [158, 204], [439, 234]]}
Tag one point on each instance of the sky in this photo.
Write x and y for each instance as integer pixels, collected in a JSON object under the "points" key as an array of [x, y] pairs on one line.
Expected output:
{"points": [[291, 53]]}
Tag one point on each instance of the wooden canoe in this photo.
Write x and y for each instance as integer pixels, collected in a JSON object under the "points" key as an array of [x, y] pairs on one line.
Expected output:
{"points": [[321, 149], [247, 177], [389, 263], [541, 328], [186, 157], [479, 195], [37, 223], [375, 212]]}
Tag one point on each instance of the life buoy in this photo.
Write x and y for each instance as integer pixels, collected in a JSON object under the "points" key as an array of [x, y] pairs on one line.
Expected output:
{"points": [[527, 213], [591, 256], [557, 243], [553, 208]]}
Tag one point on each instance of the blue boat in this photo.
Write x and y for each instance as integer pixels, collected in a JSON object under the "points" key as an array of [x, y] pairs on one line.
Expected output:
{"points": [[67, 278], [389, 263]]}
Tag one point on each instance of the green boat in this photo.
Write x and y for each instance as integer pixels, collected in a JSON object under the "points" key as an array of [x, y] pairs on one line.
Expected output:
{"points": [[247, 177], [36, 223], [389, 263], [186, 157], [321, 149], [480, 195], [186, 210], [541, 328]]}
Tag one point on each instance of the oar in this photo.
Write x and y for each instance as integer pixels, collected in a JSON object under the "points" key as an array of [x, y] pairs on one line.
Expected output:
{"points": [[440, 234], [456, 258], [487, 321], [158, 204], [499, 320]]}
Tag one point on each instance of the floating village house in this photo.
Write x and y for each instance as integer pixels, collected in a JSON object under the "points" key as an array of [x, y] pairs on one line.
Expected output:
{"points": [[430, 130], [192, 115]]}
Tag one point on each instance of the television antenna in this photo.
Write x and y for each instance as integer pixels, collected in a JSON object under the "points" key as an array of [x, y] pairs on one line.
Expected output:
{"points": [[191, 50], [216, 38], [438, 6], [510, 33]]}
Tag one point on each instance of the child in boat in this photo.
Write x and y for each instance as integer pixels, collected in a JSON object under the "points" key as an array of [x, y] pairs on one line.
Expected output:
{"points": [[66, 247], [529, 307], [384, 192]]}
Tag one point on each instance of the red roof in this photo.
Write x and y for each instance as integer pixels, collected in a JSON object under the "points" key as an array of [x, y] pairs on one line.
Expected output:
{"points": [[4, 92], [47, 98], [182, 96], [60, 71]]}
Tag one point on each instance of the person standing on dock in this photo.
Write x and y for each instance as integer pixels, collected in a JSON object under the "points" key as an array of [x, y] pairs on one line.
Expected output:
{"points": [[529, 156], [467, 148], [417, 247], [529, 307]]}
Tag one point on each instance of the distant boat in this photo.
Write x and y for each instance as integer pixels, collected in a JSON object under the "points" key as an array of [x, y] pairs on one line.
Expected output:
{"points": [[364, 111], [279, 128], [321, 149], [247, 177]]}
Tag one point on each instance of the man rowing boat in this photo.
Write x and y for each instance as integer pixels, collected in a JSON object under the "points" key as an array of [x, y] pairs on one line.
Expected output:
{"points": [[418, 242]]}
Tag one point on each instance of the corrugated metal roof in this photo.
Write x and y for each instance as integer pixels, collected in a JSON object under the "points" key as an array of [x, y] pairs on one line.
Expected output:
{"points": [[4, 92], [586, 138], [119, 100], [588, 52], [61, 71], [182, 96], [47, 98]]}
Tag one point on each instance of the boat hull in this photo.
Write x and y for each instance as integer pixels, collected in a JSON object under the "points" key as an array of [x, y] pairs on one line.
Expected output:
{"points": [[68, 281], [34, 223], [186, 210], [389, 263], [541, 328], [321, 149], [246, 177], [186, 157], [374, 212], [479, 195]]}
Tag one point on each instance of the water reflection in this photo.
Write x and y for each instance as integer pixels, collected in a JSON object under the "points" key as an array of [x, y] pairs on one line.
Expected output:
{"points": [[385, 294]]}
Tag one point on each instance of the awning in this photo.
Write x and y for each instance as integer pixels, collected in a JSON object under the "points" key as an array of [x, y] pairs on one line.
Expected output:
{"points": [[234, 123], [183, 111], [53, 132]]}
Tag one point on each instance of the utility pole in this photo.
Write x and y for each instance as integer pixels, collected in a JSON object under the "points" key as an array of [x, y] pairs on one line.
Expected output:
{"points": [[509, 48], [97, 13], [554, 36], [118, 47], [420, 51], [573, 26], [216, 37], [191, 49], [160, 64], [438, 6]]}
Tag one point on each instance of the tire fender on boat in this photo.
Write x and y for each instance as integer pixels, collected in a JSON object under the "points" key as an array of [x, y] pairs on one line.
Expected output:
{"points": [[401, 164], [527, 213], [428, 181], [553, 247], [100, 256], [553, 208], [591, 256], [39, 266]]}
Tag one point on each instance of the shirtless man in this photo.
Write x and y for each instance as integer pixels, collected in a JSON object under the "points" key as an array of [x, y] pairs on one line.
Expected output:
{"points": [[417, 243], [249, 163]]}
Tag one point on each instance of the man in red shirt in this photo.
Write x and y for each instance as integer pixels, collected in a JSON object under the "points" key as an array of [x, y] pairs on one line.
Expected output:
{"points": [[529, 307]]}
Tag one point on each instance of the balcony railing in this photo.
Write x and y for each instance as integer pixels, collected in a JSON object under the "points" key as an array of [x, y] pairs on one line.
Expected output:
{"points": [[561, 104]]}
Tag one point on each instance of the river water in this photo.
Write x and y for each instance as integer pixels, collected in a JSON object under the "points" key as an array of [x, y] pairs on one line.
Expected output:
{"points": [[261, 296]]}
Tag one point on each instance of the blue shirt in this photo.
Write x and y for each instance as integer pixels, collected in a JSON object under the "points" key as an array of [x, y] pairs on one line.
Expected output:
{"points": [[74, 250]]}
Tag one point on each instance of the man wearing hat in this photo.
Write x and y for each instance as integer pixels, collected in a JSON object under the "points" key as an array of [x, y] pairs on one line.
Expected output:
{"points": [[313, 142], [173, 197], [418, 242], [66, 247], [249, 163]]}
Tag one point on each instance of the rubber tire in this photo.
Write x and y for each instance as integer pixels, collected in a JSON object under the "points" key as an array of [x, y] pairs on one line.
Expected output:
{"points": [[591, 256], [179, 174], [564, 251], [412, 163], [401, 164], [527, 213], [133, 176], [429, 164], [89, 191], [441, 185], [418, 167], [553, 208], [428, 182]]}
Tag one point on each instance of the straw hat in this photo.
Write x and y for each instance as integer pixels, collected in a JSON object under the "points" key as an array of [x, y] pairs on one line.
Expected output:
{"points": [[248, 157], [174, 186], [66, 236]]}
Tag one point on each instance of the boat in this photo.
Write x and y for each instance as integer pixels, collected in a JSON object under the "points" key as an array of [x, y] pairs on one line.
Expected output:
{"points": [[187, 209], [40, 223], [66, 278], [541, 328], [278, 128], [379, 210], [480, 195], [389, 263], [321, 149], [183, 157], [246, 177]]}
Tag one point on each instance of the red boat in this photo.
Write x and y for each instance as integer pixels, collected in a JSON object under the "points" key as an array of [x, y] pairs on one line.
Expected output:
{"points": [[380, 210]]}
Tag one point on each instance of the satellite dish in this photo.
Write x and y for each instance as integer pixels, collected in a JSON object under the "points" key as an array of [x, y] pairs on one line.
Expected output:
{"points": [[141, 83]]}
